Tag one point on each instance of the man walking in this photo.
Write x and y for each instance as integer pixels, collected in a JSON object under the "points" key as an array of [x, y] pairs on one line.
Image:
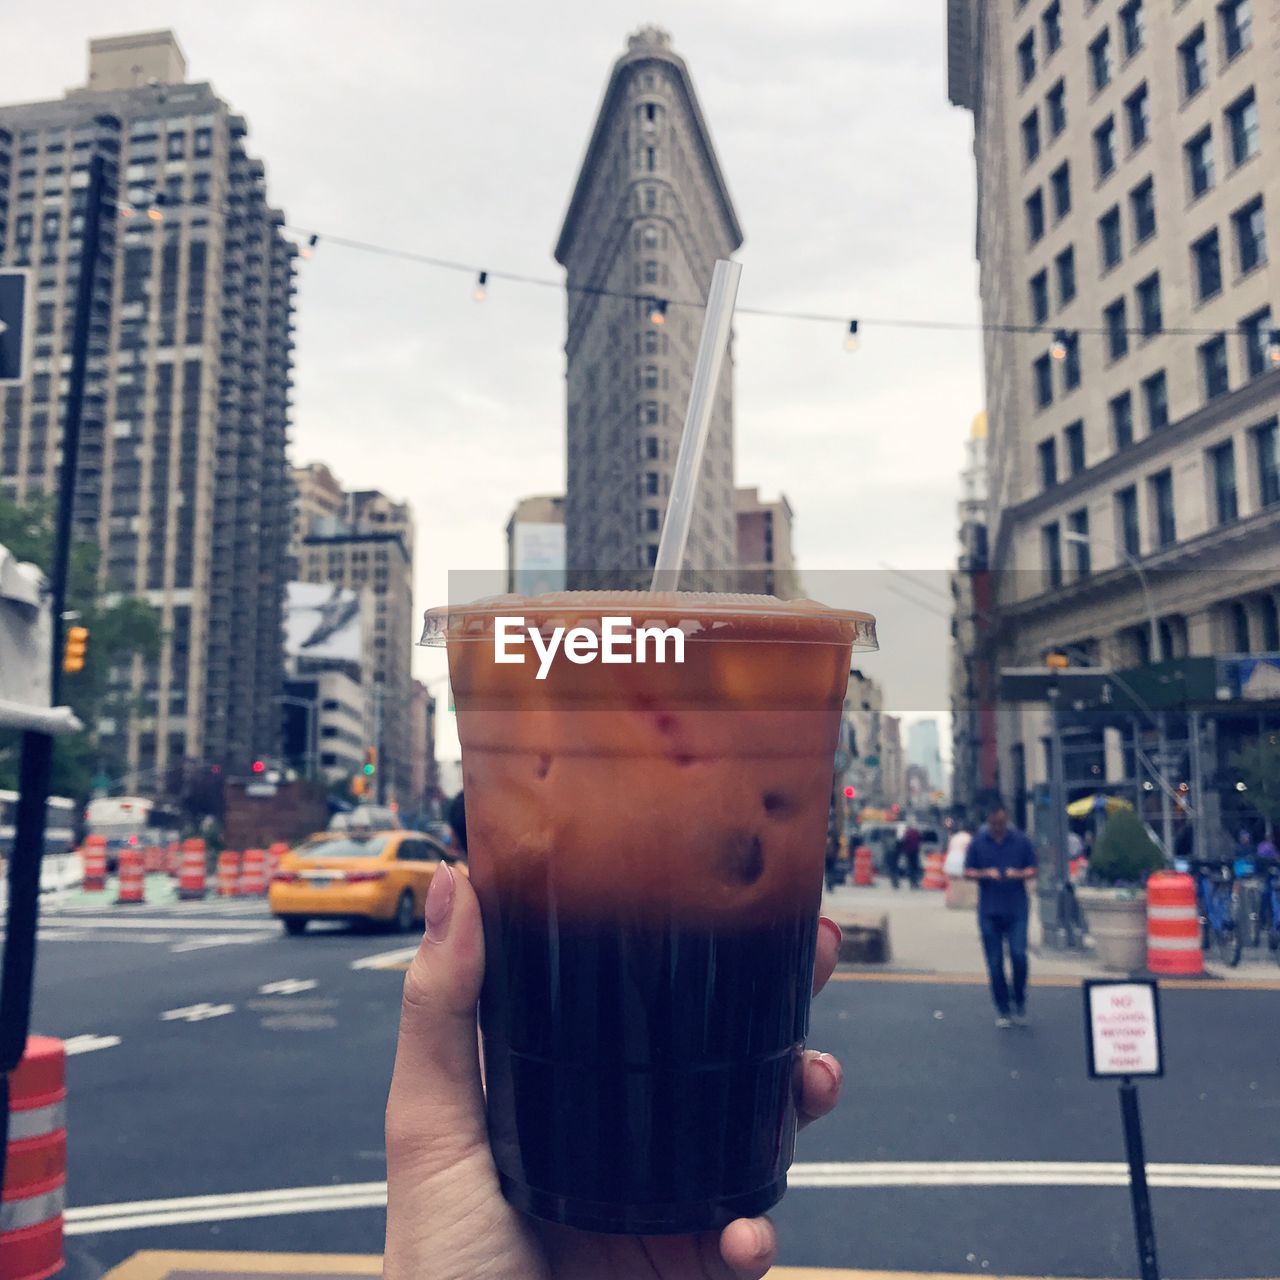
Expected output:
{"points": [[1001, 859]]}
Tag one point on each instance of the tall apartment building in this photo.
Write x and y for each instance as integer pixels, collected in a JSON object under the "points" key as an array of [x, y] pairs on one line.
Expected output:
{"points": [[535, 545], [649, 216], [182, 476], [1128, 163], [370, 547], [317, 494], [766, 563]]}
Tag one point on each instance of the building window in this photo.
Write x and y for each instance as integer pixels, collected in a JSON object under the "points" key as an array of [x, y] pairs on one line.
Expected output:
{"points": [[1133, 26], [1251, 235], [203, 142], [1110, 246], [1213, 367], [651, 376], [1199, 152], [1257, 341], [1052, 28], [1137, 110], [1060, 182], [1193, 57], [1071, 365], [651, 482], [1222, 469], [1266, 449], [1160, 487], [652, 520], [651, 447], [1065, 266], [1027, 57], [1100, 60], [1039, 289], [1047, 453], [1078, 524], [1127, 521], [1035, 216], [1117, 329], [1155, 394], [1142, 204], [650, 269], [1242, 127], [1240, 627], [1056, 105], [1104, 147], [1237, 27], [1043, 381], [1073, 437], [1121, 410], [1051, 544], [1031, 136], [650, 159], [649, 413], [1149, 309], [1207, 260], [1270, 625]]}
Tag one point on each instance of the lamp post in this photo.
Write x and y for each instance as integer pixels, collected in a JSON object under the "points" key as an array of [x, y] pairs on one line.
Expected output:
{"points": [[1166, 806]]}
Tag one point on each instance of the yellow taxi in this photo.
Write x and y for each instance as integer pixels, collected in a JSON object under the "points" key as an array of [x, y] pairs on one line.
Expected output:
{"points": [[356, 875]]}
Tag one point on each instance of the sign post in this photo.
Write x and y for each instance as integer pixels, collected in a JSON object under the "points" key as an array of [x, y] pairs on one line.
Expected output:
{"points": [[1122, 1031]]}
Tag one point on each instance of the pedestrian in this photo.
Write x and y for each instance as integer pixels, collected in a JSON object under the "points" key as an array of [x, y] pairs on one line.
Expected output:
{"points": [[910, 846], [1001, 859], [958, 851]]}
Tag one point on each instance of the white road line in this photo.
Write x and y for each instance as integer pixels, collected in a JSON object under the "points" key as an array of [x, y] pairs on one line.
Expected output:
{"points": [[89, 1043], [197, 1012], [385, 959], [218, 940], [156, 922], [287, 987], [373, 1195]]}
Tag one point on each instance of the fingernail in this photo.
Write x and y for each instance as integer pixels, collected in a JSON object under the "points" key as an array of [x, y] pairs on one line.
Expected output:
{"points": [[439, 903], [832, 1067], [764, 1241], [825, 922]]}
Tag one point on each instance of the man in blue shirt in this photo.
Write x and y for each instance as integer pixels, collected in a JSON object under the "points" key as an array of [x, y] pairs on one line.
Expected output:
{"points": [[1001, 859]]}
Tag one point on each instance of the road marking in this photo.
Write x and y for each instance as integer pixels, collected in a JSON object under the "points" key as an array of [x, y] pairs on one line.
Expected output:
{"points": [[1215, 982], [89, 1043], [197, 1012], [156, 922], [373, 1195], [218, 940], [398, 959], [287, 987]]}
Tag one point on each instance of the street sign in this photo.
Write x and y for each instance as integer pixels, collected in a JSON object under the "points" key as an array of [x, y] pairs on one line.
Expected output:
{"points": [[1122, 1023], [14, 326], [260, 789]]}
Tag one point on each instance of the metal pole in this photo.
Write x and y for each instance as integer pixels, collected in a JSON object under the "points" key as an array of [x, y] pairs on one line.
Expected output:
{"points": [[1197, 784], [377, 740], [1058, 803], [1137, 766], [313, 719], [1143, 1224], [1166, 802]]}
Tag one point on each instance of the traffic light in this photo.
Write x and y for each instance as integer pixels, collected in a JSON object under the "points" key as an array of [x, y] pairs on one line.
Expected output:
{"points": [[850, 792], [370, 761], [357, 785], [259, 766], [74, 650]]}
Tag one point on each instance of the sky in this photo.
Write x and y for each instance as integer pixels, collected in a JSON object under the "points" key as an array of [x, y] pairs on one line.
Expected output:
{"points": [[456, 131]]}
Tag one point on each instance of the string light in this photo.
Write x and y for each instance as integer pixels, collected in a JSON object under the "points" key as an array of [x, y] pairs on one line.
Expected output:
{"points": [[851, 339], [1058, 349], [1273, 347], [479, 293], [308, 248], [155, 213], [657, 311], [125, 210]]}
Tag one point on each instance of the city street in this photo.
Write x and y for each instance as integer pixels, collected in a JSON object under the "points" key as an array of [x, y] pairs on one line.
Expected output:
{"points": [[227, 1086]]}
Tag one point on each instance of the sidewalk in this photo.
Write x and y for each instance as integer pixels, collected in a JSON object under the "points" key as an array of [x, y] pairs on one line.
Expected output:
{"points": [[926, 938]]}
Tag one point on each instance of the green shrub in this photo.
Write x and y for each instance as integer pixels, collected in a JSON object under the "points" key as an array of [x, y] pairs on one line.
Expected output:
{"points": [[1125, 853]]}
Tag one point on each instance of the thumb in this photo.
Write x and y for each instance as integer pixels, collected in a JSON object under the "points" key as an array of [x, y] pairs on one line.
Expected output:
{"points": [[435, 1112]]}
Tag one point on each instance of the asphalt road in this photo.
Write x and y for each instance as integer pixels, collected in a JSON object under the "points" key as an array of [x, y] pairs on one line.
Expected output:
{"points": [[217, 1087]]}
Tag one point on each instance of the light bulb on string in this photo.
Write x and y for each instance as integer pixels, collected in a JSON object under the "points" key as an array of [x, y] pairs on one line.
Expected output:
{"points": [[312, 241], [851, 338], [480, 292], [125, 210], [155, 213], [1058, 348], [657, 311], [1273, 348]]}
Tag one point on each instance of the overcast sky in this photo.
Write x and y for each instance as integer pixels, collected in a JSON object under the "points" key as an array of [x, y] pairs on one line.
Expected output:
{"points": [[456, 130]]}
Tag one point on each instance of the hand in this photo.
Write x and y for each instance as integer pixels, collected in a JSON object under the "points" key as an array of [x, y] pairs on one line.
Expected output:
{"points": [[446, 1217]]}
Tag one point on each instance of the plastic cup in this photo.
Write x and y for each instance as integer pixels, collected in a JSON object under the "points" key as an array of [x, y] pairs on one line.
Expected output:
{"points": [[647, 842]]}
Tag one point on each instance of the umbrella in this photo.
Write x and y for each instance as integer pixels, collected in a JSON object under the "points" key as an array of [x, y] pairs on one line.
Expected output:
{"points": [[1086, 805]]}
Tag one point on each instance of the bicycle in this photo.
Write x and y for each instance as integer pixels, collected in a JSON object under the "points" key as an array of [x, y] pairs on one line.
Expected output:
{"points": [[1269, 907], [1217, 900]]}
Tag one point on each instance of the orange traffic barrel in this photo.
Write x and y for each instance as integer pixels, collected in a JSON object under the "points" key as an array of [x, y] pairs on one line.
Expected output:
{"points": [[864, 869], [228, 874], [35, 1167], [934, 876], [1173, 924], [131, 876], [191, 870], [93, 857], [275, 853], [152, 860], [253, 873]]}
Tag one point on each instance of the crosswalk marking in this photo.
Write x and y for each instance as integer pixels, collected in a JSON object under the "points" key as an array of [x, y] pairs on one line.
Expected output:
{"points": [[218, 940], [89, 1043], [197, 1012], [287, 987]]}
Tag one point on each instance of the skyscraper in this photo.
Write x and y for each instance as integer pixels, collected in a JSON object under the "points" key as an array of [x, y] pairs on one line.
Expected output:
{"points": [[649, 216], [182, 478]]}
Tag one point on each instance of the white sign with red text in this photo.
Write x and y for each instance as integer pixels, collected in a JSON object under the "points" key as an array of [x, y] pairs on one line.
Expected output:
{"points": [[1123, 1024]]}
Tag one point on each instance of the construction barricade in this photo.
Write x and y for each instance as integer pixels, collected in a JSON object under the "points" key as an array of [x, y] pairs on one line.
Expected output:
{"points": [[35, 1167], [1173, 925], [191, 871], [864, 867], [228, 875], [93, 857], [934, 876], [275, 854], [253, 873], [131, 877]]}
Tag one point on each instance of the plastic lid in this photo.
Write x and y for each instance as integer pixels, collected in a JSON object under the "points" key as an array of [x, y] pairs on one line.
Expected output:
{"points": [[726, 615]]}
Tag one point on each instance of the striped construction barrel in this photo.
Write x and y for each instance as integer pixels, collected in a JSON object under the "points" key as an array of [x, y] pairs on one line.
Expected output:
{"points": [[1173, 924]]}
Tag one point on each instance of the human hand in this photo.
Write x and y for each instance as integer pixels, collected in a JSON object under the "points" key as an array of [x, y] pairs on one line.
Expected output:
{"points": [[446, 1216]]}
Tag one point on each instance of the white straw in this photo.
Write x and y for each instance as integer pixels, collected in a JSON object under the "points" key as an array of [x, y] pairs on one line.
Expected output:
{"points": [[716, 325]]}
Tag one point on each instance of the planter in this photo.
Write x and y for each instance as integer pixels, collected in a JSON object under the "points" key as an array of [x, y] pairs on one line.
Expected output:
{"points": [[1117, 920]]}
